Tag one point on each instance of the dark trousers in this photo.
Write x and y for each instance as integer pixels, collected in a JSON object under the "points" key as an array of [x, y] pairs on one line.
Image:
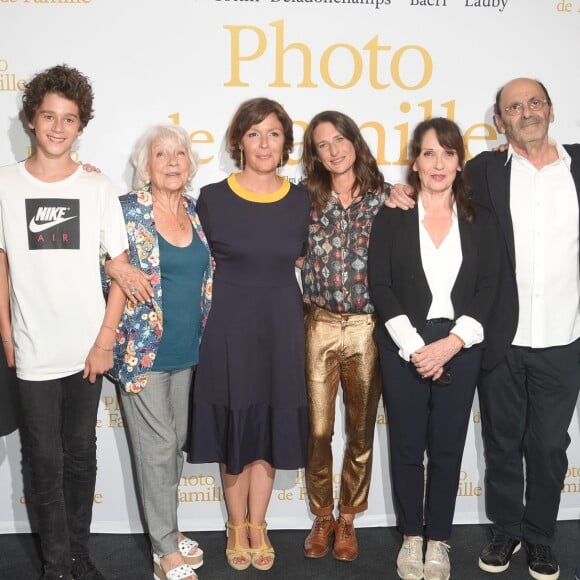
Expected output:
{"points": [[9, 403], [526, 405], [59, 451], [425, 416]]}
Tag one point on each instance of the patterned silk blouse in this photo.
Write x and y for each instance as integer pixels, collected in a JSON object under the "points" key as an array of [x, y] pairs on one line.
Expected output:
{"points": [[334, 273]]}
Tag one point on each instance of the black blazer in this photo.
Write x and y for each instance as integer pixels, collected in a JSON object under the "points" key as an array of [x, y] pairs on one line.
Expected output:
{"points": [[397, 280], [489, 175]]}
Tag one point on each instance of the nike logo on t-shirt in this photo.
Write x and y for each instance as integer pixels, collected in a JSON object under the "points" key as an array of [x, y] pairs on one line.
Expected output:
{"points": [[35, 227], [53, 223]]}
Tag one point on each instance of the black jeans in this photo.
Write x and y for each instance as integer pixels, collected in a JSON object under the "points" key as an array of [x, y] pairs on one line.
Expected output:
{"points": [[59, 451]]}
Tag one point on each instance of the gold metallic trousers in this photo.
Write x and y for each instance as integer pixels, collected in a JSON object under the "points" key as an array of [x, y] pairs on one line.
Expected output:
{"points": [[340, 347]]}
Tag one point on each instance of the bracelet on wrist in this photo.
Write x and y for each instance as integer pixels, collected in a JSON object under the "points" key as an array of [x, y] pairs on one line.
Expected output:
{"points": [[102, 348], [108, 327], [5, 340]]}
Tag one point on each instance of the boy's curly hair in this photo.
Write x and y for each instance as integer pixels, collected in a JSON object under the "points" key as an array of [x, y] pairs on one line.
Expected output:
{"points": [[62, 80]]}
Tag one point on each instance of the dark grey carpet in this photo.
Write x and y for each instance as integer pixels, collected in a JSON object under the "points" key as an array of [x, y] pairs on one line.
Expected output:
{"points": [[127, 557]]}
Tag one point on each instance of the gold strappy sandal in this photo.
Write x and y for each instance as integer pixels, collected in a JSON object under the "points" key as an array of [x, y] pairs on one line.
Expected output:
{"points": [[264, 551], [242, 555]]}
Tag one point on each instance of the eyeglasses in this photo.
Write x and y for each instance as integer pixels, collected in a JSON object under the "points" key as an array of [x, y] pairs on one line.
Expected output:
{"points": [[534, 104]]}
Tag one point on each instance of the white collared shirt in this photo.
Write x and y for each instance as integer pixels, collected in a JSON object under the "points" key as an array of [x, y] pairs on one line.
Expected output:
{"points": [[544, 210], [441, 266]]}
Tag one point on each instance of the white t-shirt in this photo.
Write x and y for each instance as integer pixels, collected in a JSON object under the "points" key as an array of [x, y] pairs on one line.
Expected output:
{"points": [[52, 234]]}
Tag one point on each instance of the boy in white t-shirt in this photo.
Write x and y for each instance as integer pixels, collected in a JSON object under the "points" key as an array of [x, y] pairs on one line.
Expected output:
{"points": [[54, 323]]}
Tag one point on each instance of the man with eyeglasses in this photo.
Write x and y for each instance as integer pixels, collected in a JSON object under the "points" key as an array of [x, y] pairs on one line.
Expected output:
{"points": [[530, 370], [530, 373]]}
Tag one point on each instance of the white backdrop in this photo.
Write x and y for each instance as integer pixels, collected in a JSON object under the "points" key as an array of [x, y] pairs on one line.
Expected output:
{"points": [[387, 63]]}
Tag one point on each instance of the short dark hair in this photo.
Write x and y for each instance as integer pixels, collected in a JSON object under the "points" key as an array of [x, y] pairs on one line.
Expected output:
{"points": [[253, 112], [62, 80], [449, 137], [496, 107]]}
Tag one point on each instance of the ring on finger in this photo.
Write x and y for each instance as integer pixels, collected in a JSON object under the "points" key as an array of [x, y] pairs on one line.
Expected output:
{"points": [[133, 291]]}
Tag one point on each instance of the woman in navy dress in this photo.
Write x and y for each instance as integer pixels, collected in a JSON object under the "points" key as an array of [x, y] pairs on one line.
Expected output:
{"points": [[249, 404]]}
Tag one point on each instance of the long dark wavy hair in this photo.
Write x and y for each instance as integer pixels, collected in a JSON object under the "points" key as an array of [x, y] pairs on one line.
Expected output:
{"points": [[318, 180], [449, 137]]}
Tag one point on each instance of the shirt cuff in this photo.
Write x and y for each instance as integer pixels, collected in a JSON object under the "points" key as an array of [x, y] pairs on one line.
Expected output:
{"points": [[468, 330], [404, 335]]}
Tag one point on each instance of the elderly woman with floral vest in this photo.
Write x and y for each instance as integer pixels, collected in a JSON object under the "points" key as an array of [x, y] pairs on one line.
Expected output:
{"points": [[157, 344]]}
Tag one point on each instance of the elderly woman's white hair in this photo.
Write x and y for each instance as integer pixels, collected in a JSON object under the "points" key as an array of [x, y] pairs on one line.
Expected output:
{"points": [[172, 135]]}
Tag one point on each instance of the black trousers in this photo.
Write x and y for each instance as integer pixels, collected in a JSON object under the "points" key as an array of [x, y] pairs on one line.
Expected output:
{"points": [[425, 416], [59, 451], [526, 404], [9, 401]]}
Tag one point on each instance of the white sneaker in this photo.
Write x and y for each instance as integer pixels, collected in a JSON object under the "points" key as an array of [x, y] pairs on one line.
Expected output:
{"points": [[410, 559], [437, 566]]}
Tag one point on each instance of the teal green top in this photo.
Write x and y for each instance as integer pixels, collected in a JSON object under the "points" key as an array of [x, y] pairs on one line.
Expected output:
{"points": [[182, 271]]}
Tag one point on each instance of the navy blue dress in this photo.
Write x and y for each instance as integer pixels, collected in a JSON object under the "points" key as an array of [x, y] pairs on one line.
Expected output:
{"points": [[249, 396]]}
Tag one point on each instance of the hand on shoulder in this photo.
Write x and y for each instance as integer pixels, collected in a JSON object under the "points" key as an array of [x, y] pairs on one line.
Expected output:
{"points": [[400, 197]]}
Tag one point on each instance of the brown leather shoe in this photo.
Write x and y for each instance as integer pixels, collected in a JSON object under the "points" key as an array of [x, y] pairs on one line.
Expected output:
{"points": [[317, 541], [345, 544]]}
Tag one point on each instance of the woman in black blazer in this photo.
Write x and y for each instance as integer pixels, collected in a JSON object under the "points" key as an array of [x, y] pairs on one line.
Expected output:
{"points": [[433, 273]]}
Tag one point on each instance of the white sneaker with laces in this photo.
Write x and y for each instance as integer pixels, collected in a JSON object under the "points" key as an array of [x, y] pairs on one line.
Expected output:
{"points": [[410, 559], [437, 566]]}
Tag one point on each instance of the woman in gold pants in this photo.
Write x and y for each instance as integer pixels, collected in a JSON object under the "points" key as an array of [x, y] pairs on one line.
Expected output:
{"points": [[346, 189]]}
